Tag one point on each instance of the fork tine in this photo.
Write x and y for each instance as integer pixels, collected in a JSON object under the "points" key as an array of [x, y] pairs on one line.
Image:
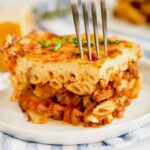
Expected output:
{"points": [[86, 24], [104, 23], [95, 26], [77, 24]]}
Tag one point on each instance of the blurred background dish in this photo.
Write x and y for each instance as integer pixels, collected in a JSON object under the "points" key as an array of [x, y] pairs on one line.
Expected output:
{"points": [[134, 11], [127, 19], [14, 20], [17, 17]]}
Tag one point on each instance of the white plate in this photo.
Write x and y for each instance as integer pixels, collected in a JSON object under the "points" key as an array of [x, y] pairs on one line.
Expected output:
{"points": [[13, 121]]}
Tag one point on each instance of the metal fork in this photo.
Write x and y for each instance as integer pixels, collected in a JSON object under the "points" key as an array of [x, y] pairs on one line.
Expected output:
{"points": [[75, 12]]}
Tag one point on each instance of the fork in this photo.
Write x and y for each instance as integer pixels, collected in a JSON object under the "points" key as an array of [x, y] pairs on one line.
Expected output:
{"points": [[75, 12]]}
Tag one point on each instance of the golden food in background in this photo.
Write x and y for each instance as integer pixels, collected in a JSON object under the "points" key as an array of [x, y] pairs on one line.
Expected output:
{"points": [[14, 20], [135, 11]]}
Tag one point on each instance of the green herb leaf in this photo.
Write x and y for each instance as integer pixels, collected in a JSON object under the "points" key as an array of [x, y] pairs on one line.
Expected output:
{"points": [[61, 40], [44, 43], [57, 47], [65, 38], [101, 41], [92, 43], [74, 41], [116, 42], [85, 43], [57, 40], [109, 42]]}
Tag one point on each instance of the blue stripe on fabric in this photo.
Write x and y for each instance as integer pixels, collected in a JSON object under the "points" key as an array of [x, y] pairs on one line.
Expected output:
{"points": [[147, 53], [57, 147], [6, 142], [104, 143], [82, 147], [129, 137], [126, 137], [31, 146], [106, 146]]}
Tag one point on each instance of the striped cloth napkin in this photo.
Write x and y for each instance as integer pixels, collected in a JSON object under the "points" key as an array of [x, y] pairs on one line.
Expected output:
{"points": [[10, 143]]}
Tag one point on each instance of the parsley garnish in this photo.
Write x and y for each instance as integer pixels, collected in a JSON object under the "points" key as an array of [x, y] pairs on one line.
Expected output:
{"points": [[56, 47], [116, 42], [92, 43], [65, 38], [113, 42], [59, 42], [74, 41], [85, 43], [101, 41], [44, 43]]}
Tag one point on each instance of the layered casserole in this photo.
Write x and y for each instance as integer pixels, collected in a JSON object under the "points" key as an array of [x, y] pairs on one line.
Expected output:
{"points": [[50, 80]]}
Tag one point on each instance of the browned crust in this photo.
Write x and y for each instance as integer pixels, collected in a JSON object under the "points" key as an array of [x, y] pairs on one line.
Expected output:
{"points": [[29, 47]]}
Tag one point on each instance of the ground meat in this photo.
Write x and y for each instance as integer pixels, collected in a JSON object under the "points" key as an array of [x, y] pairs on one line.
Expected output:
{"points": [[104, 94], [75, 109]]}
